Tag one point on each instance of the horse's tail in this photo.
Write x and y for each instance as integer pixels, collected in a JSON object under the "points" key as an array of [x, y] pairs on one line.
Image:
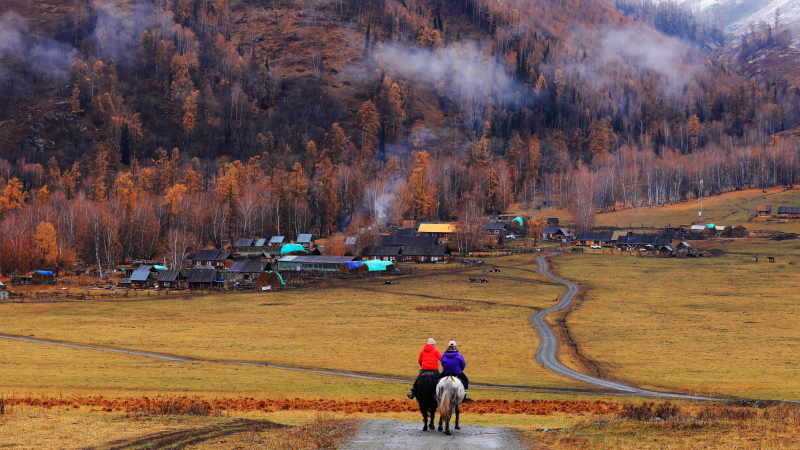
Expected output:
{"points": [[445, 394]]}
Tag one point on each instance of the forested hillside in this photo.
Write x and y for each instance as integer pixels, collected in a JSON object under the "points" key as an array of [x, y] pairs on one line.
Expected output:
{"points": [[131, 129]]}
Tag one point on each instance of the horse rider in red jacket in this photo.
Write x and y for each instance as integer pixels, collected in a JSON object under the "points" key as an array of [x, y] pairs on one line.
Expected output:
{"points": [[428, 360]]}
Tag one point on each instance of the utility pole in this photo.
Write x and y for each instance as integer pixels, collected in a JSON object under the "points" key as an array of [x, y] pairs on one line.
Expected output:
{"points": [[701, 198]]}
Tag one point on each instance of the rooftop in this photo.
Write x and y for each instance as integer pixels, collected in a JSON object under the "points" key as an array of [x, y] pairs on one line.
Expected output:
{"points": [[437, 228]]}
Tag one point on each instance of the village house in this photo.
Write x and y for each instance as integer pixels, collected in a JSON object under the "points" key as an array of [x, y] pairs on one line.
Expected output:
{"points": [[276, 241], [402, 241], [426, 253], [605, 239], [684, 249], [764, 210], [4, 294], [440, 231], [552, 221], [246, 271], [43, 277], [640, 242], [494, 228], [408, 232], [244, 245], [316, 262], [250, 246], [214, 258], [202, 277], [171, 279], [382, 253], [697, 229], [144, 276], [306, 240], [555, 233], [788, 212]]}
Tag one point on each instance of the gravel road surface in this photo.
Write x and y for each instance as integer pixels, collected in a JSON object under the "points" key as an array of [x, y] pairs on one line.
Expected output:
{"points": [[548, 347], [393, 434]]}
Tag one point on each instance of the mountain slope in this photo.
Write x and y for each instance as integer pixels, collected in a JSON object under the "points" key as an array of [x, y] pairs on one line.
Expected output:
{"points": [[740, 14]]}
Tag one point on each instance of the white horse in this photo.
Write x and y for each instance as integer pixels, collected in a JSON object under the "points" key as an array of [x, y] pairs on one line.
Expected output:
{"points": [[449, 393]]}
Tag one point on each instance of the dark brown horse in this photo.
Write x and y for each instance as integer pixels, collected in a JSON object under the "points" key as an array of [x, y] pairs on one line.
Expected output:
{"points": [[426, 397]]}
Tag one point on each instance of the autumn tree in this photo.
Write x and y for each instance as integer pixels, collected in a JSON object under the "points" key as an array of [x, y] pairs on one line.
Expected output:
{"points": [[535, 228], [13, 195], [45, 244], [370, 125], [337, 143], [42, 194], [173, 200], [423, 192], [190, 113], [601, 137], [126, 191], [694, 132], [102, 173], [581, 204], [469, 234], [191, 180]]}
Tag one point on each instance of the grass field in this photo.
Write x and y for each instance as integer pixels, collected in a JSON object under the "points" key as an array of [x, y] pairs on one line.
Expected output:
{"points": [[717, 326], [773, 426], [730, 208], [364, 327]]}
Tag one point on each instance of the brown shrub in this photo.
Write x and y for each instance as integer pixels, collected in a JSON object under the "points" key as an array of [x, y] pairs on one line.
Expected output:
{"points": [[205, 406], [728, 413], [651, 411], [442, 308]]}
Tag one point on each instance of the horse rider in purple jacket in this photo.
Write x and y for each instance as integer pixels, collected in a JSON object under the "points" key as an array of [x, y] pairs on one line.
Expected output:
{"points": [[453, 364]]}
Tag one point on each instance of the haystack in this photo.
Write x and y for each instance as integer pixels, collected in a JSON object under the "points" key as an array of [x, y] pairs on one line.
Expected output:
{"points": [[292, 249], [353, 267], [378, 266], [269, 279]]}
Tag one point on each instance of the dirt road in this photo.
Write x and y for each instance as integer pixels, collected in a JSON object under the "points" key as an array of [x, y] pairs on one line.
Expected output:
{"points": [[548, 347], [392, 434]]}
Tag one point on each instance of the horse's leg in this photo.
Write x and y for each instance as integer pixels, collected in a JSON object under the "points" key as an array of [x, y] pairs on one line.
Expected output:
{"points": [[424, 412], [433, 417], [457, 413], [441, 418], [447, 426]]}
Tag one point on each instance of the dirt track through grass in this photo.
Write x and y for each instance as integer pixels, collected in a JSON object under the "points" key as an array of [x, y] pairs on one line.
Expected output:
{"points": [[548, 348]]}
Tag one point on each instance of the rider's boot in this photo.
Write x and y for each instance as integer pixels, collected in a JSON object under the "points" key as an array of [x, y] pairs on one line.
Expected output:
{"points": [[466, 398], [412, 393]]}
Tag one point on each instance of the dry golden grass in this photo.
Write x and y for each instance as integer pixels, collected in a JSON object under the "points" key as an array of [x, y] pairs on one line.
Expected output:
{"points": [[730, 208], [775, 427], [365, 327], [719, 326], [77, 429]]}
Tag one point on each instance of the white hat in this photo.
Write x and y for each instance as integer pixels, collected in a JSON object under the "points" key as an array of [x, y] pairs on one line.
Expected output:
{"points": [[431, 341], [452, 344]]}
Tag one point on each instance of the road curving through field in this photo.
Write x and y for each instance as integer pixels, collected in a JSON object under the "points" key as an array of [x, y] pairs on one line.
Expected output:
{"points": [[548, 344]]}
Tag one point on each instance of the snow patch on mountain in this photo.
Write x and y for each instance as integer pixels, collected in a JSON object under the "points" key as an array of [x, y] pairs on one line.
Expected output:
{"points": [[739, 15]]}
